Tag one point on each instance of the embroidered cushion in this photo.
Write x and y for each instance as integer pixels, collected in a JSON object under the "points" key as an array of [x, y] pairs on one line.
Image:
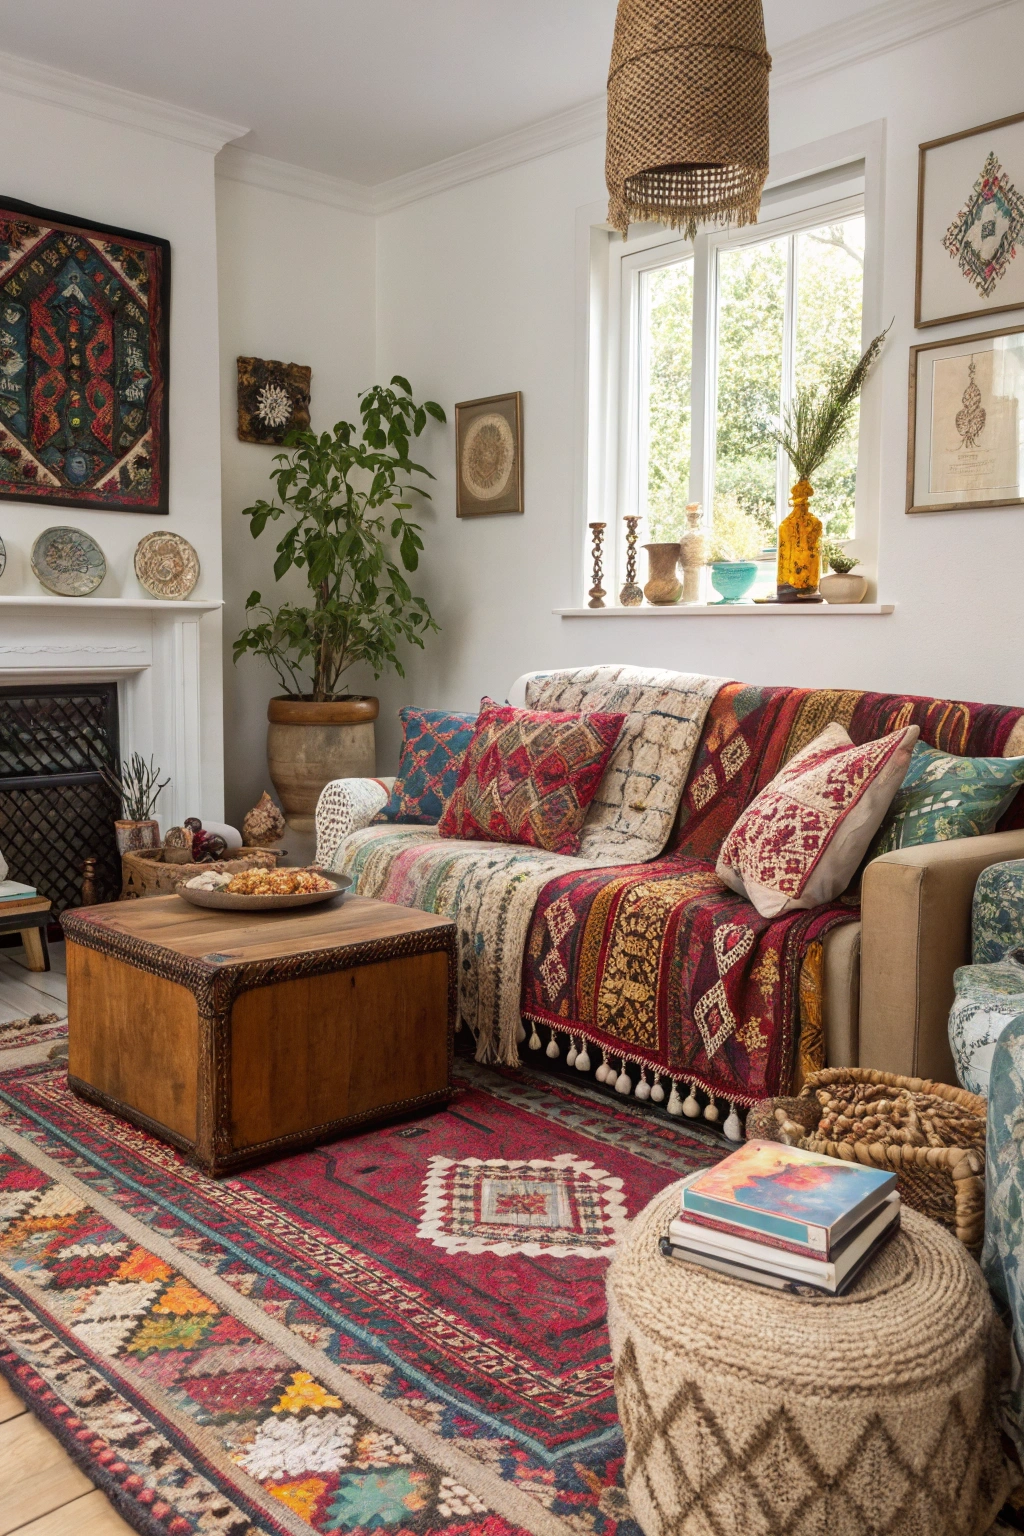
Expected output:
{"points": [[943, 797], [529, 777], [800, 841], [433, 746]]}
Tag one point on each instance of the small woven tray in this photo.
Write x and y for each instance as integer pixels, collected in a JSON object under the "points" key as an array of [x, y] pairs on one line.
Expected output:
{"points": [[145, 873], [945, 1181]]}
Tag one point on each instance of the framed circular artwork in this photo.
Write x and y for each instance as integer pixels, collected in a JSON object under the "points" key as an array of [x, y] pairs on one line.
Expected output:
{"points": [[166, 565], [68, 562], [489, 450]]}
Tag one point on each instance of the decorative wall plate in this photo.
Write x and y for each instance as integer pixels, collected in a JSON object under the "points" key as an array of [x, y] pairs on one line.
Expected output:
{"points": [[68, 562], [166, 565], [3, 557]]}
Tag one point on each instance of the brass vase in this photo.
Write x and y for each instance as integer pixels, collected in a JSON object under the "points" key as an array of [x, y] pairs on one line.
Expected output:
{"points": [[799, 567]]}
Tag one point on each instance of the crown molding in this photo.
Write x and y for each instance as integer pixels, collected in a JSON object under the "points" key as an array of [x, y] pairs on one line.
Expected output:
{"points": [[577, 125], [881, 29], [236, 164], [61, 88]]}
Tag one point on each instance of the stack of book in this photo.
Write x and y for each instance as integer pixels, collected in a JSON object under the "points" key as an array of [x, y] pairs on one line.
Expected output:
{"points": [[12, 891], [786, 1218]]}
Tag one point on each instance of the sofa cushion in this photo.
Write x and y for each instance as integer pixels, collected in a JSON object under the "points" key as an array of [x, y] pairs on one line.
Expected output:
{"points": [[433, 746], [529, 776], [800, 841], [944, 796]]}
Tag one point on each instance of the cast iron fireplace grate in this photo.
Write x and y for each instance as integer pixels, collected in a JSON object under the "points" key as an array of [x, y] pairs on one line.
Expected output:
{"points": [[55, 809]]}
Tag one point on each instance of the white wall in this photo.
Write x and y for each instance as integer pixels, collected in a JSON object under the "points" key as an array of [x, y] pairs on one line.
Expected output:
{"points": [[476, 295], [296, 284], [75, 163]]}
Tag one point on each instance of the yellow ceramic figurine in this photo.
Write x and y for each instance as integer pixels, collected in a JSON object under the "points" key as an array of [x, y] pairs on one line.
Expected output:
{"points": [[808, 431]]}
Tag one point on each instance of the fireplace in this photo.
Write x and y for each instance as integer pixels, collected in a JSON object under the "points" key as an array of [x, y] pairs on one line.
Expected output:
{"points": [[55, 808]]}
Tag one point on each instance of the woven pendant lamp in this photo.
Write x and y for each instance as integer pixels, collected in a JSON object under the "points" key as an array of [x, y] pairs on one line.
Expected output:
{"points": [[687, 113]]}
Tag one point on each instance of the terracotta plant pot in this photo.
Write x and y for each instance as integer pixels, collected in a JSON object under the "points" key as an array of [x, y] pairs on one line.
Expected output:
{"points": [[133, 835], [310, 744], [663, 585], [847, 588]]}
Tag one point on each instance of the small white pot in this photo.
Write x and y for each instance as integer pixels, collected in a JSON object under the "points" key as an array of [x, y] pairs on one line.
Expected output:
{"points": [[843, 589]]}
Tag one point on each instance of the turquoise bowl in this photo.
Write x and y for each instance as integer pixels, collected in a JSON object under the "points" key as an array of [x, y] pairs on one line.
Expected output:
{"points": [[733, 578]]}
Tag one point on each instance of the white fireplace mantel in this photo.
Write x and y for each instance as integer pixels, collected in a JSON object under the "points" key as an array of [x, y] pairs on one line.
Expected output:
{"points": [[152, 649]]}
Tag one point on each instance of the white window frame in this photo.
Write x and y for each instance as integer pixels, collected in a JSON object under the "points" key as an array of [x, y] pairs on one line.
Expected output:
{"points": [[838, 178]]}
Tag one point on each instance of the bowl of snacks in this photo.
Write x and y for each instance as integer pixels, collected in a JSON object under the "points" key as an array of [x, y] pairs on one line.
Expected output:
{"points": [[262, 890]]}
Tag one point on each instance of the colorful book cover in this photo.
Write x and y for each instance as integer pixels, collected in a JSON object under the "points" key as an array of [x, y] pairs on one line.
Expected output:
{"points": [[786, 1192]]}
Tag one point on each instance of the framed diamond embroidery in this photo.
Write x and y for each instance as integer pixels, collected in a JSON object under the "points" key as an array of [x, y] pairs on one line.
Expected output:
{"points": [[966, 419], [273, 399], [83, 362], [970, 224]]}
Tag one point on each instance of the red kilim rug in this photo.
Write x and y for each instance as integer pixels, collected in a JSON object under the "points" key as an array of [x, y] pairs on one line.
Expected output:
{"points": [[401, 1332]]}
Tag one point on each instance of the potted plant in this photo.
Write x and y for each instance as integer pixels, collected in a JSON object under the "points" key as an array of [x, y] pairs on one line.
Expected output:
{"points": [[137, 786], [736, 542], [841, 586], [344, 495], [808, 431]]}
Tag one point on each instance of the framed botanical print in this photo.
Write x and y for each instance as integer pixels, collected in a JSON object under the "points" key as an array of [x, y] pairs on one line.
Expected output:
{"points": [[83, 362], [967, 423], [489, 456], [970, 224]]}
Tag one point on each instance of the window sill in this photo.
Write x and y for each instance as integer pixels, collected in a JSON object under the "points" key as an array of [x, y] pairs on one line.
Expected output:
{"points": [[733, 611]]}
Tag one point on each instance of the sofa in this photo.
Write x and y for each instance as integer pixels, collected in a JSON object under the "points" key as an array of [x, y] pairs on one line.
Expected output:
{"points": [[648, 971]]}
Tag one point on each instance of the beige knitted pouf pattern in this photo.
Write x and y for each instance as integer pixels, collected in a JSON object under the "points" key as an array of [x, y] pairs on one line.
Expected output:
{"points": [[751, 1412]]}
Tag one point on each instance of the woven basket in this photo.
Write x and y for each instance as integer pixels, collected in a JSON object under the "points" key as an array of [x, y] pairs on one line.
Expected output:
{"points": [[944, 1182], [144, 872]]}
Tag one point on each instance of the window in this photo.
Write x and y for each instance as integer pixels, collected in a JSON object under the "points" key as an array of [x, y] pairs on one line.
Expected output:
{"points": [[713, 340]]}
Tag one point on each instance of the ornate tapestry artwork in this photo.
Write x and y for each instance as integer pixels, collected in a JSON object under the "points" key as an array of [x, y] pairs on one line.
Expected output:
{"points": [[273, 399], [83, 362], [983, 237], [489, 455]]}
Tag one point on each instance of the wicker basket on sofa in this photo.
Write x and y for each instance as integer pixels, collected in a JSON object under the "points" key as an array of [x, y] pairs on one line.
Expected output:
{"points": [[145, 873], [944, 1179]]}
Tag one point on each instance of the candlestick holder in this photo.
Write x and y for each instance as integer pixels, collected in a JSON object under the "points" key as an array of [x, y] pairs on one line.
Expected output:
{"points": [[632, 594], [597, 592]]}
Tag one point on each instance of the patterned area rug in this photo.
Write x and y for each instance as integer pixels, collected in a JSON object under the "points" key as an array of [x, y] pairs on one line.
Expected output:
{"points": [[403, 1331]]}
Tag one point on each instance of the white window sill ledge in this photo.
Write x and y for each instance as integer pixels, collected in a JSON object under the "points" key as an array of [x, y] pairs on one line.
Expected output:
{"points": [[733, 611]]}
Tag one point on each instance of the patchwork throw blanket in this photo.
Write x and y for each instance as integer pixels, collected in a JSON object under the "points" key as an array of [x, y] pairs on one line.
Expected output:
{"points": [[491, 889], [660, 964]]}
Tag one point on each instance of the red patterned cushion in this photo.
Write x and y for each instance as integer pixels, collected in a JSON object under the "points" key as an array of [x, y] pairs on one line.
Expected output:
{"points": [[529, 777], [799, 843]]}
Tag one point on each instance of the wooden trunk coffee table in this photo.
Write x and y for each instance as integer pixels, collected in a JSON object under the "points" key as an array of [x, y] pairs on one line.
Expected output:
{"points": [[238, 1036]]}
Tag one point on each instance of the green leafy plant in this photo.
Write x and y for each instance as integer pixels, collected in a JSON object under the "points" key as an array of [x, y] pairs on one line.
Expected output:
{"points": [[735, 533], [137, 786], [837, 559], [812, 426], [345, 494]]}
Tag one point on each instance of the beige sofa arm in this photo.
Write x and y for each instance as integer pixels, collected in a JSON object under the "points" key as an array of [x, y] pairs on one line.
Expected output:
{"points": [[915, 931]]}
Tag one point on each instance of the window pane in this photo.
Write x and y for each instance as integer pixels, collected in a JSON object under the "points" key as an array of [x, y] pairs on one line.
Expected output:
{"points": [[666, 309], [751, 310], [830, 283]]}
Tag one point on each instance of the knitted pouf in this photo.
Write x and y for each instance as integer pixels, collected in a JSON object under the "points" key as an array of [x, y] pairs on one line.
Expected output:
{"points": [[752, 1412]]}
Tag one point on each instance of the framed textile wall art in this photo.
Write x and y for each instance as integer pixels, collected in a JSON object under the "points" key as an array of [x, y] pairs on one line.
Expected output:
{"points": [[970, 224], [489, 456], [966, 409], [273, 399], [83, 362]]}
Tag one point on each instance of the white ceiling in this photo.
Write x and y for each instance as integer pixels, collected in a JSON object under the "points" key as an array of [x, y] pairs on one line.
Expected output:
{"points": [[364, 89]]}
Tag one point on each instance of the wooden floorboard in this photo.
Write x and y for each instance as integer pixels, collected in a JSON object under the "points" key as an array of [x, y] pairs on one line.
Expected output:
{"points": [[89, 1515], [37, 1476]]}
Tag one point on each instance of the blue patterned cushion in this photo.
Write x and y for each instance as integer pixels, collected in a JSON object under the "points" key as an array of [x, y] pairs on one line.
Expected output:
{"points": [[943, 797], [997, 923], [1002, 1259], [432, 752]]}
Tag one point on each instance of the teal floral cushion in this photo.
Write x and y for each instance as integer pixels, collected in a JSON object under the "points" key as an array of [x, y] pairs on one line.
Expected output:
{"points": [[987, 998], [1003, 1256], [997, 924], [943, 797]]}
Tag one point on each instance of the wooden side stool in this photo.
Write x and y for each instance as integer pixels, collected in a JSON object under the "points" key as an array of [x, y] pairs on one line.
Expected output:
{"points": [[30, 919]]}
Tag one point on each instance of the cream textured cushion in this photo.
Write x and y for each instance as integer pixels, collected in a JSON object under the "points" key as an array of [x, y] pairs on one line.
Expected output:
{"points": [[800, 842]]}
